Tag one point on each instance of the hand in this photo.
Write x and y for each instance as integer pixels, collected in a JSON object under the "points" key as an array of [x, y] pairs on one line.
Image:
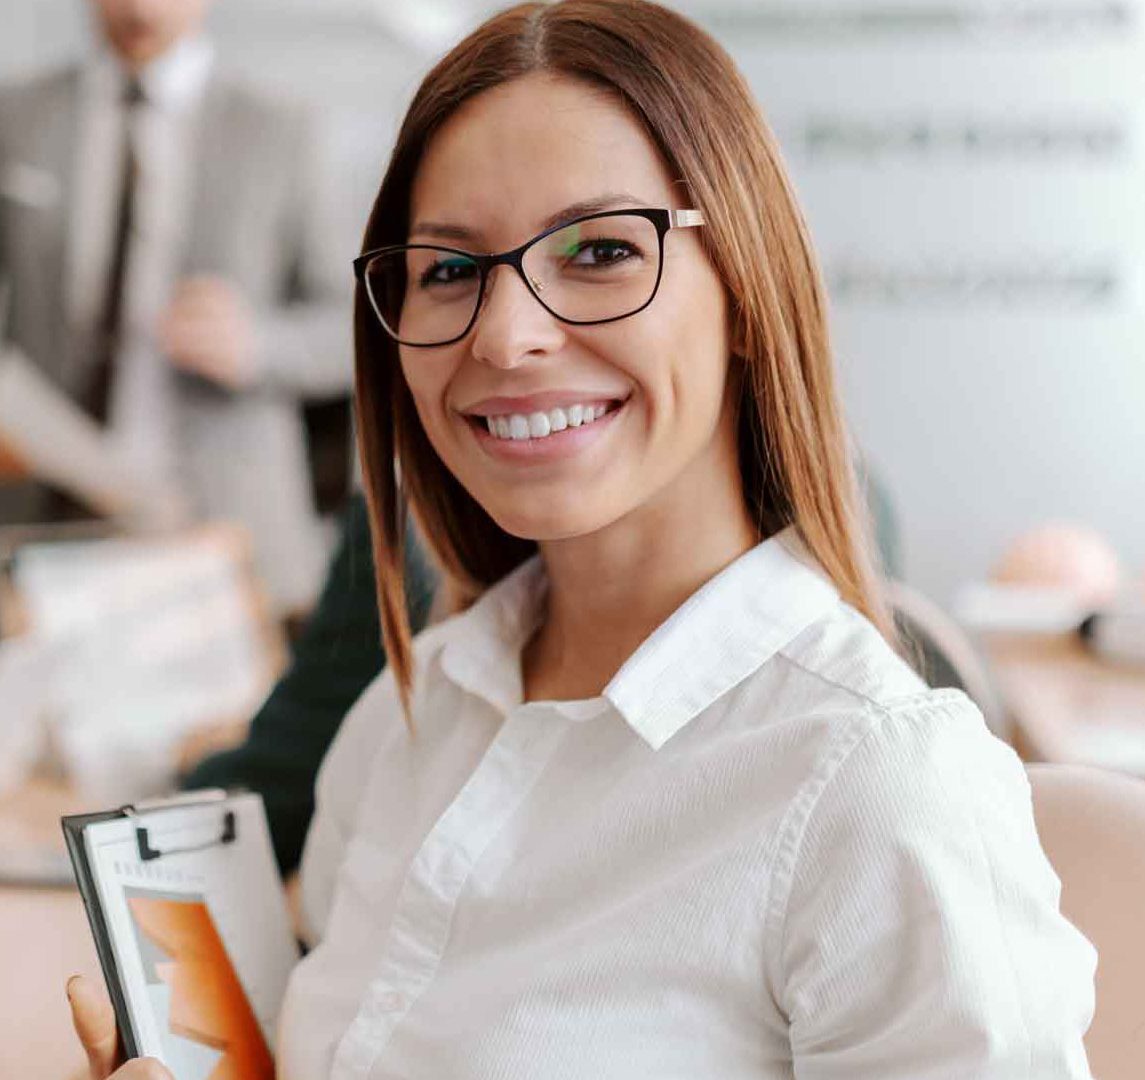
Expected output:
{"points": [[208, 330], [94, 1021], [11, 467]]}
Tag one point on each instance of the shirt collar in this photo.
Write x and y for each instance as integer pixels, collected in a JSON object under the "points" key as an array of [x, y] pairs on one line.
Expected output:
{"points": [[721, 634], [173, 82], [483, 656], [725, 631]]}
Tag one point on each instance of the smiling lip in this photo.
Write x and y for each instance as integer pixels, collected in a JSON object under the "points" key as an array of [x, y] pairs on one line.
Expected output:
{"points": [[550, 399], [552, 448]]}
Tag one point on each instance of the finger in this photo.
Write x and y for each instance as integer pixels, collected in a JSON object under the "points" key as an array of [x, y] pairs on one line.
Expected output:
{"points": [[200, 312], [199, 358], [213, 356], [183, 337], [182, 331], [201, 304], [200, 283], [94, 1021], [204, 290], [193, 339], [143, 1069]]}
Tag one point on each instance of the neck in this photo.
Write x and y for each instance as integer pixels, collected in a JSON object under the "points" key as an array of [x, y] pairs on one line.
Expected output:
{"points": [[610, 589]]}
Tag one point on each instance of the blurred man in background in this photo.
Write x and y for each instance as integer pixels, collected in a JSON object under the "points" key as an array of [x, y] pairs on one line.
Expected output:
{"points": [[157, 246]]}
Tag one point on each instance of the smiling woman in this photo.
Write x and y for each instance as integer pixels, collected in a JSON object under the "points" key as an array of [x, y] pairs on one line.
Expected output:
{"points": [[662, 800], [587, 128]]}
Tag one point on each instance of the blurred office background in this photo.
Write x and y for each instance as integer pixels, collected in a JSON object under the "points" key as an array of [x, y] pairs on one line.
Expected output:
{"points": [[974, 178]]}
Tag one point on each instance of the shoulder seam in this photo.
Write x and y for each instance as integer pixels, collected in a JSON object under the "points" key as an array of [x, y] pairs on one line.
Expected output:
{"points": [[793, 829], [791, 833], [927, 691]]}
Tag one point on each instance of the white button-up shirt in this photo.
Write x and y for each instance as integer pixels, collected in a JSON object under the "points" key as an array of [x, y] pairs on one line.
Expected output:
{"points": [[766, 851]]}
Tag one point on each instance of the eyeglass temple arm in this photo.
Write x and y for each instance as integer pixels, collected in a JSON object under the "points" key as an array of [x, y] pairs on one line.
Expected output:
{"points": [[687, 219]]}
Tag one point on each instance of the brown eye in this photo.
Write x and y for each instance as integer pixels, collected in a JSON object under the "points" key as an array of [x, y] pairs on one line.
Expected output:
{"points": [[603, 253], [448, 272]]}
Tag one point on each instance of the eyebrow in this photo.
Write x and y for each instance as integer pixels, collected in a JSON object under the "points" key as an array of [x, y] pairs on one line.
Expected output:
{"points": [[448, 231]]}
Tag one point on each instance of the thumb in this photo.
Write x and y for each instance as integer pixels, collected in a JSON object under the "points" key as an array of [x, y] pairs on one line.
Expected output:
{"points": [[94, 1021]]}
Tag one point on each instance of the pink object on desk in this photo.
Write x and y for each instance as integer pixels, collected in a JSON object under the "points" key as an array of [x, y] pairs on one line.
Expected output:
{"points": [[1063, 555]]}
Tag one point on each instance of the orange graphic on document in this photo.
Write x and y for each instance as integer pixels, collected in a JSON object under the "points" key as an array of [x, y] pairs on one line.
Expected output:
{"points": [[207, 1004]]}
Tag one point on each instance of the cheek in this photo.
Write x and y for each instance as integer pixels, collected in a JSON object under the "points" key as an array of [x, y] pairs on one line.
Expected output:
{"points": [[428, 380], [682, 372], [701, 353]]}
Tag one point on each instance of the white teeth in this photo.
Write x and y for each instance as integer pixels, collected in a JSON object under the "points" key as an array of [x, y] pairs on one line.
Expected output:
{"points": [[540, 425]]}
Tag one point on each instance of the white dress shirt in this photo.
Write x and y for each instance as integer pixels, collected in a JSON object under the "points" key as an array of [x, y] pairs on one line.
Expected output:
{"points": [[765, 851], [164, 130]]}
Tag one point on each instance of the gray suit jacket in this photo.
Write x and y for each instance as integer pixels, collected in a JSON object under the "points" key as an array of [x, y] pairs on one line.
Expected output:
{"points": [[242, 456]]}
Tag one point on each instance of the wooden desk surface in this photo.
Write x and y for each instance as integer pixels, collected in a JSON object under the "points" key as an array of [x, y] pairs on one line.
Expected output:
{"points": [[44, 939], [1069, 706]]}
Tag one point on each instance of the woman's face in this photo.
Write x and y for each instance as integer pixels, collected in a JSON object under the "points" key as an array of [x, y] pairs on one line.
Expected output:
{"points": [[508, 163]]}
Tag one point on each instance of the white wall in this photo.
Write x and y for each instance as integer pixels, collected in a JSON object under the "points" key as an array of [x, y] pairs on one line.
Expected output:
{"points": [[974, 177]]}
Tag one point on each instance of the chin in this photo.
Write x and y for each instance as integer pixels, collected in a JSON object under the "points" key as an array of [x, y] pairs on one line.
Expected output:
{"points": [[545, 524]]}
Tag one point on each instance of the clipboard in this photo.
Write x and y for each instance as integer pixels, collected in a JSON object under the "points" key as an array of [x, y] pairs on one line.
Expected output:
{"points": [[191, 928]]}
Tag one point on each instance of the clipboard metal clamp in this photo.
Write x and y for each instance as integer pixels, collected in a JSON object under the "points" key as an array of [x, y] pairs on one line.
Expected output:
{"points": [[228, 830]]}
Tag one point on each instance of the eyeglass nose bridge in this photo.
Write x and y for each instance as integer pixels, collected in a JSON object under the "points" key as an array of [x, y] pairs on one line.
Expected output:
{"points": [[515, 259]]}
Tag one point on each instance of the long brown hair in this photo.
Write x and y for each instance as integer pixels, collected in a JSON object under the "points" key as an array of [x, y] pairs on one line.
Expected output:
{"points": [[794, 453]]}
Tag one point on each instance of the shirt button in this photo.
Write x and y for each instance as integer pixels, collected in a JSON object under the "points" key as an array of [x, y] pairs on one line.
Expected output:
{"points": [[391, 1001]]}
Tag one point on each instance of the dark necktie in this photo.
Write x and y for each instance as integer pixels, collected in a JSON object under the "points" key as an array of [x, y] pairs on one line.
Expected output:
{"points": [[109, 331]]}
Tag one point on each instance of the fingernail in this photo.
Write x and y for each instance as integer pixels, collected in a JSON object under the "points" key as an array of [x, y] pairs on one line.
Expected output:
{"points": [[68, 987]]}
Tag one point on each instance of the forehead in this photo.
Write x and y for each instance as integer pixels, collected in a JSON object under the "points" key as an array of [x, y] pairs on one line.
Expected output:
{"points": [[513, 156]]}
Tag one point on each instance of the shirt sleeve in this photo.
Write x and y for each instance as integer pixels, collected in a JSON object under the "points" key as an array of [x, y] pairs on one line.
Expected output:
{"points": [[921, 935]]}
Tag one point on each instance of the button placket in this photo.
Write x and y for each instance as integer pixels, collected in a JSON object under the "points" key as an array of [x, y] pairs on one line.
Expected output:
{"points": [[438, 874]]}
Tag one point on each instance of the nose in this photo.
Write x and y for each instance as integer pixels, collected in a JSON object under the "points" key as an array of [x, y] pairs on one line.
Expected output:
{"points": [[512, 327]]}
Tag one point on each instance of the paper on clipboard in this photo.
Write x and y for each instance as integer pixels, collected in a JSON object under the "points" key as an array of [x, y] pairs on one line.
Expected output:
{"points": [[192, 930]]}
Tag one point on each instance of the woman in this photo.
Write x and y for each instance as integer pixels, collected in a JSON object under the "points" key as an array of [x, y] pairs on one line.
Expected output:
{"points": [[663, 801]]}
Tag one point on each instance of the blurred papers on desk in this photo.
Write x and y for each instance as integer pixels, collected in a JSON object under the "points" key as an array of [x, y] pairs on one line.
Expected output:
{"points": [[1114, 630], [26, 673], [989, 607], [148, 641]]}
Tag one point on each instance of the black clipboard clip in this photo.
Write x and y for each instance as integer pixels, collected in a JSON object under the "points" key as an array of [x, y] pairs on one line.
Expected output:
{"points": [[228, 829]]}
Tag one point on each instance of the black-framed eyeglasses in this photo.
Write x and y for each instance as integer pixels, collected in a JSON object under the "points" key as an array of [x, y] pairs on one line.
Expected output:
{"points": [[593, 269]]}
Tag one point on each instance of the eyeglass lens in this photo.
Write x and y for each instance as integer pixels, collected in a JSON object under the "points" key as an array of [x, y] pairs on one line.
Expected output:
{"points": [[589, 271]]}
